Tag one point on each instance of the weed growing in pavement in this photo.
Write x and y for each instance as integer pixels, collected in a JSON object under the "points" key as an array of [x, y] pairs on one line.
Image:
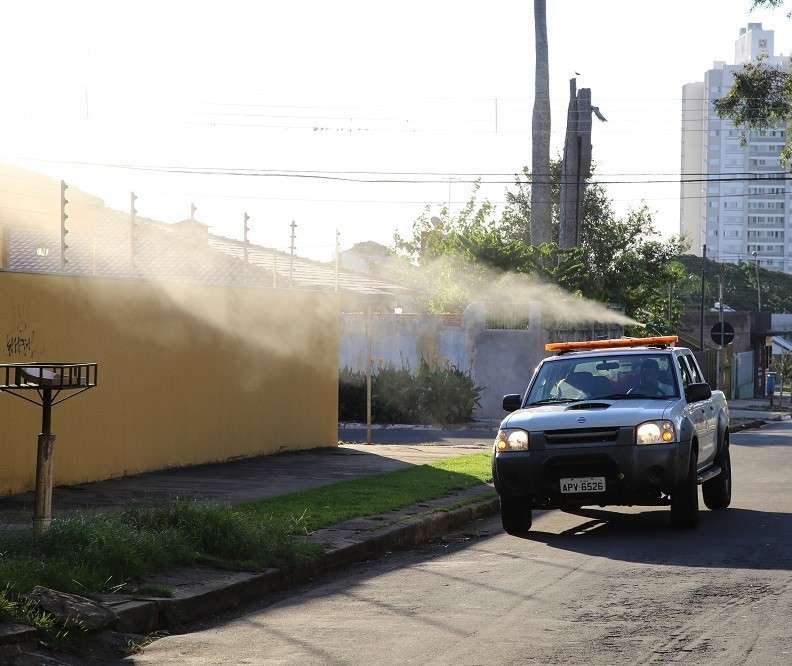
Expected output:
{"points": [[147, 590], [136, 645]]}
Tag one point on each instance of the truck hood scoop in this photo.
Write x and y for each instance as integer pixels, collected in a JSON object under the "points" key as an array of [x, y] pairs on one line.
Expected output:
{"points": [[588, 405]]}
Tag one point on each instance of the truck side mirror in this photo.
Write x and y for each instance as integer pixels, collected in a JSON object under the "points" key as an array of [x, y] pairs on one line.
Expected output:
{"points": [[698, 392], [512, 402]]}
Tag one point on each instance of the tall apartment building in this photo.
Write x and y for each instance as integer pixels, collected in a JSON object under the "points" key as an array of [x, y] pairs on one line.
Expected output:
{"points": [[735, 199]]}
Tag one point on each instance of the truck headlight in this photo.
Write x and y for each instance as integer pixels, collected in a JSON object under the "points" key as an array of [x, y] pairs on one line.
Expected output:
{"points": [[512, 440], [655, 432]]}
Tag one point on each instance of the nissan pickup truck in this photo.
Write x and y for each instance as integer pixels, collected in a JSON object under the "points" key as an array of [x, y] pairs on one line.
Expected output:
{"points": [[626, 422]]}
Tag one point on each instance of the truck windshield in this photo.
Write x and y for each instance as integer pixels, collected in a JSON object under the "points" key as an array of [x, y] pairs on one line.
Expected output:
{"points": [[609, 376]]}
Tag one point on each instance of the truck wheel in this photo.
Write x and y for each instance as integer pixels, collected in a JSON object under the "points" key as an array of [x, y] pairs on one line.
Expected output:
{"points": [[717, 491], [516, 515], [684, 500]]}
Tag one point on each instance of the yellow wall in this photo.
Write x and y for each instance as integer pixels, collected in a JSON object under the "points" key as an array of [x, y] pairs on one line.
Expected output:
{"points": [[187, 374]]}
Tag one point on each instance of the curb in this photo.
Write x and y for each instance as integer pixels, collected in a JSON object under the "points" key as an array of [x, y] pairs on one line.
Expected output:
{"points": [[757, 422], [15, 639], [145, 616], [472, 425], [747, 425]]}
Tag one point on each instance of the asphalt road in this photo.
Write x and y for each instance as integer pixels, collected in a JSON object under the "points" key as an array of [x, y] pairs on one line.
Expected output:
{"points": [[601, 586]]}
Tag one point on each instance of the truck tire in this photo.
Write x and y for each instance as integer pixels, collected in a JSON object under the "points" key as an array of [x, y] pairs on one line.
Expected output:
{"points": [[717, 491], [516, 515], [684, 500]]}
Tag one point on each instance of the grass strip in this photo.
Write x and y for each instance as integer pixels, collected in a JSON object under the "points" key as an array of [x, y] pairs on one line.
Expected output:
{"points": [[93, 553], [308, 510]]}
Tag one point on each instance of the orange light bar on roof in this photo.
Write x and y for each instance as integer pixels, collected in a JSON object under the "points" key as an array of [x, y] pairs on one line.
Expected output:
{"points": [[611, 344]]}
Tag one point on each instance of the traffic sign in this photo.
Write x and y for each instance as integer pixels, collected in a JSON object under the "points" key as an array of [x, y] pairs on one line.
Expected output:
{"points": [[722, 333]]}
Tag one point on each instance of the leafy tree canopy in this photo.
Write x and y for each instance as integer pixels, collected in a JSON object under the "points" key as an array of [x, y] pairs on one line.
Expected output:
{"points": [[761, 96], [619, 261]]}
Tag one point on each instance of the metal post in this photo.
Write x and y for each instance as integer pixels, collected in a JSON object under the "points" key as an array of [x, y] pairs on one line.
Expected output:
{"points": [[718, 382], [758, 290], [42, 510], [703, 276], [368, 373], [291, 255]]}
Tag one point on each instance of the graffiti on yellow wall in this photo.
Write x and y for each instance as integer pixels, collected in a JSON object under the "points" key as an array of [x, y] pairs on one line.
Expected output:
{"points": [[21, 339]]}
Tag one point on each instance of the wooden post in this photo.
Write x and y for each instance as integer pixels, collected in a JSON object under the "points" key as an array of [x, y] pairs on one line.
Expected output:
{"points": [[576, 166], [42, 510], [566, 226]]}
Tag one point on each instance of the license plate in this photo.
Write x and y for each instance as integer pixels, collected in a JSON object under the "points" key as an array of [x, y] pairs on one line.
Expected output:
{"points": [[588, 484]]}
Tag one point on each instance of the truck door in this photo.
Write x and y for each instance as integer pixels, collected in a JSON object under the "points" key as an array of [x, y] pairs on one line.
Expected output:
{"points": [[702, 414]]}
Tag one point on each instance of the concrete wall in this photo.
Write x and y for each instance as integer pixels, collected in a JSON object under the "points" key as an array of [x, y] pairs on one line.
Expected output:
{"points": [[403, 340], [499, 359], [188, 374]]}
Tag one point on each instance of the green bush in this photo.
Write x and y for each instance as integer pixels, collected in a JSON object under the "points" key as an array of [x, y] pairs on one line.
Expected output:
{"points": [[433, 395], [351, 395]]}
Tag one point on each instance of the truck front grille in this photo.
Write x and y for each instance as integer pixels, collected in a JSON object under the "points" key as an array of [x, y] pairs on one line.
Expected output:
{"points": [[581, 436]]}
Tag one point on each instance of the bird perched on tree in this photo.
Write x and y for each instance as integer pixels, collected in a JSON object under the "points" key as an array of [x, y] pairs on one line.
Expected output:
{"points": [[597, 113]]}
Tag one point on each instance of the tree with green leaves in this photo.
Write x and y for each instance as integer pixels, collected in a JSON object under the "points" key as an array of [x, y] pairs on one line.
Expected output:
{"points": [[619, 261], [761, 95], [783, 369]]}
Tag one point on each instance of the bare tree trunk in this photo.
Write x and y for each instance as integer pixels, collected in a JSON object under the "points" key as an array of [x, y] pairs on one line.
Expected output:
{"points": [[541, 192]]}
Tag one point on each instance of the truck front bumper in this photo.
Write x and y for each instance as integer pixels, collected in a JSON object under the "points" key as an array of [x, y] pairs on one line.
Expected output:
{"points": [[642, 475]]}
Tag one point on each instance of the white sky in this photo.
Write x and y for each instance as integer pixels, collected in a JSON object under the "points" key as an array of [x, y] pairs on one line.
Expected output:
{"points": [[407, 87]]}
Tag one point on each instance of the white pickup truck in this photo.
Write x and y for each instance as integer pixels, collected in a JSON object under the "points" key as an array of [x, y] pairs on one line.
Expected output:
{"points": [[613, 422]]}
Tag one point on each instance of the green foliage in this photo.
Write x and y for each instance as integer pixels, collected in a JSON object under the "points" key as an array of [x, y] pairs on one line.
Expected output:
{"points": [[468, 257], [782, 365], [739, 285], [772, 4], [432, 395], [351, 395], [24, 611], [259, 534], [760, 98], [92, 553]]}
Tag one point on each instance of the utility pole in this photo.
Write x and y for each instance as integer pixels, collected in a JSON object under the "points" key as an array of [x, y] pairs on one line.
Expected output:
{"points": [[703, 277], [720, 320], [576, 165]]}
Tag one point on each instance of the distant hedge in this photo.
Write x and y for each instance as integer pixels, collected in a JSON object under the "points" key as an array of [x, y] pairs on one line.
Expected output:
{"points": [[431, 395]]}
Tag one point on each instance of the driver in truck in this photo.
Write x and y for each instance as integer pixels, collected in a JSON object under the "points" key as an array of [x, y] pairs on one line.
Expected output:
{"points": [[649, 382]]}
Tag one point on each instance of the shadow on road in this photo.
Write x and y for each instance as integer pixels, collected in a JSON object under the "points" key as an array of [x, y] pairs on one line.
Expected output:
{"points": [[735, 538]]}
